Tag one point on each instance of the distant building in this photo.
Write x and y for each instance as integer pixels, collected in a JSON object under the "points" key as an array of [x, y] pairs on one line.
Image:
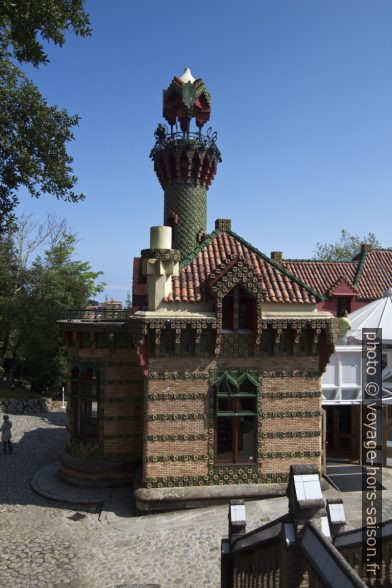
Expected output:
{"points": [[342, 383]]}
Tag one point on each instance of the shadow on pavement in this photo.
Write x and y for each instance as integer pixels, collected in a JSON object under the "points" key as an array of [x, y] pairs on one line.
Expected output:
{"points": [[32, 450]]}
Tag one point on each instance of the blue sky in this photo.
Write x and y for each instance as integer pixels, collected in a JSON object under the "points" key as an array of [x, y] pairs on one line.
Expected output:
{"points": [[301, 101]]}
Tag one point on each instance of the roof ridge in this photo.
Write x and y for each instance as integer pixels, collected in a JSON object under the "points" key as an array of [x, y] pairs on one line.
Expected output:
{"points": [[380, 249], [361, 263], [278, 266], [198, 248], [316, 260]]}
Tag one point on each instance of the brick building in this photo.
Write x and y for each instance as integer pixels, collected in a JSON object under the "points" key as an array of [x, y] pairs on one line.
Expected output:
{"points": [[212, 384]]}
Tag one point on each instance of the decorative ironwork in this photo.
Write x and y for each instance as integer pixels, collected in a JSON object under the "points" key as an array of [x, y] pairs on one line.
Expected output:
{"points": [[92, 315], [195, 140]]}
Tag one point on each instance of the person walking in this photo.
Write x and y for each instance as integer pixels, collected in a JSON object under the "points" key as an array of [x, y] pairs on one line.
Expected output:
{"points": [[6, 433]]}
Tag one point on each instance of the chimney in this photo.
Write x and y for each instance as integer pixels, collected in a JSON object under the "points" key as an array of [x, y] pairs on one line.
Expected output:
{"points": [[277, 256], [223, 224], [159, 263], [366, 248]]}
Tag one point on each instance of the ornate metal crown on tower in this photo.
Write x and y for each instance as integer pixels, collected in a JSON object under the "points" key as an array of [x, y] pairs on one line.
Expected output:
{"points": [[185, 161]]}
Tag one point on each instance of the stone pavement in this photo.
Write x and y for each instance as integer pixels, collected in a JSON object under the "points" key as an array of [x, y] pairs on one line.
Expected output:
{"points": [[108, 547]]}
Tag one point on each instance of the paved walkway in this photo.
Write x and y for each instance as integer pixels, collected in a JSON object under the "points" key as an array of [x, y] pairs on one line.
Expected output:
{"points": [[108, 547]]}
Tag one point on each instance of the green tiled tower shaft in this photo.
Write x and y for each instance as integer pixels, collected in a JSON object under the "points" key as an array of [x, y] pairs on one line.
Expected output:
{"points": [[185, 161], [185, 168], [189, 202]]}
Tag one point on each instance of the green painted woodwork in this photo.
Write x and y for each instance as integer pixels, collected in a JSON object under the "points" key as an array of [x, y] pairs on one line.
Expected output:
{"points": [[189, 202]]}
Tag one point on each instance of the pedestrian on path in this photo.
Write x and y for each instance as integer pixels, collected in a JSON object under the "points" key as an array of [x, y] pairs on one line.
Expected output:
{"points": [[6, 433]]}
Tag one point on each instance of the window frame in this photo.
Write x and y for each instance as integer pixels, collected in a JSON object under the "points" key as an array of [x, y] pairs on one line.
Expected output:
{"points": [[234, 416]]}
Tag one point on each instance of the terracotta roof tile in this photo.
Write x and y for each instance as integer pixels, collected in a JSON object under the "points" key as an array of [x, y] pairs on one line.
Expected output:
{"points": [[294, 281], [322, 275], [376, 274], [225, 249], [369, 274]]}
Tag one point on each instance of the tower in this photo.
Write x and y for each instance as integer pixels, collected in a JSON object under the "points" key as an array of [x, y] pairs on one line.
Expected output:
{"points": [[185, 161]]}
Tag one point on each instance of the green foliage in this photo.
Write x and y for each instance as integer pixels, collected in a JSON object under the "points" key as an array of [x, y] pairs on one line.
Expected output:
{"points": [[22, 21], [128, 301], [33, 134], [345, 248], [31, 300]]}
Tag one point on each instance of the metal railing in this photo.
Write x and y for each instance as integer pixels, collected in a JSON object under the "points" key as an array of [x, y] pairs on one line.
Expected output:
{"points": [[92, 315], [164, 137]]}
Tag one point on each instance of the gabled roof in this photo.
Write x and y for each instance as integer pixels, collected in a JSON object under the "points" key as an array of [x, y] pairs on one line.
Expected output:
{"points": [[369, 273], [323, 276], [223, 248], [375, 273]]}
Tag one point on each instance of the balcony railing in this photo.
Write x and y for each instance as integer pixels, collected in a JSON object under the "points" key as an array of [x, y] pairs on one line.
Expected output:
{"points": [[164, 137], [91, 315]]}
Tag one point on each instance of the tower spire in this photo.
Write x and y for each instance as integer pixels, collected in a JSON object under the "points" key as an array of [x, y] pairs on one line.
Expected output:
{"points": [[185, 161]]}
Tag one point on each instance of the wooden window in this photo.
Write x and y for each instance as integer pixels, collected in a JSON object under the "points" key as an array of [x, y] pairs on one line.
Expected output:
{"points": [[236, 421], [84, 399]]}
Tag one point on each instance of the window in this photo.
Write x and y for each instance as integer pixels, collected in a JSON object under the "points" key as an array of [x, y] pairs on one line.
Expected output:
{"points": [[343, 303], [187, 342], [238, 310], [306, 339], [207, 342], [286, 342], [84, 398], [267, 341], [227, 312], [236, 422], [168, 342]]}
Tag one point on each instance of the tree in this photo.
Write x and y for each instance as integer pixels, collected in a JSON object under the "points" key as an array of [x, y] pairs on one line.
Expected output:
{"points": [[128, 301], [32, 296], [33, 134], [345, 248]]}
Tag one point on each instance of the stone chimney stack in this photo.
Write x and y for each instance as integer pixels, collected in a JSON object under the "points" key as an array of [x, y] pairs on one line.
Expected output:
{"points": [[366, 248], [277, 256], [159, 263]]}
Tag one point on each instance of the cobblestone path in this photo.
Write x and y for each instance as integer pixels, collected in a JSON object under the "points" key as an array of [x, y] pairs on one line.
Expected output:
{"points": [[41, 546]]}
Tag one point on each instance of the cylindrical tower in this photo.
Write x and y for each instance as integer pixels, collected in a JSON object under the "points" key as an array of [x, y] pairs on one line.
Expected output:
{"points": [[185, 162]]}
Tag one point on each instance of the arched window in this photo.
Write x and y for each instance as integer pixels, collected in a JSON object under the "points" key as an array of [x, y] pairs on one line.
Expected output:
{"points": [[84, 399], [236, 418]]}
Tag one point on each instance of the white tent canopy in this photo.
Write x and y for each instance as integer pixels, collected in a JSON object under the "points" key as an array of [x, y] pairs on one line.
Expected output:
{"points": [[376, 315]]}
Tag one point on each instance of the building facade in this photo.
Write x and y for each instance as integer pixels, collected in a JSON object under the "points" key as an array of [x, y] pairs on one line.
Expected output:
{"points": [[211, 386]]}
